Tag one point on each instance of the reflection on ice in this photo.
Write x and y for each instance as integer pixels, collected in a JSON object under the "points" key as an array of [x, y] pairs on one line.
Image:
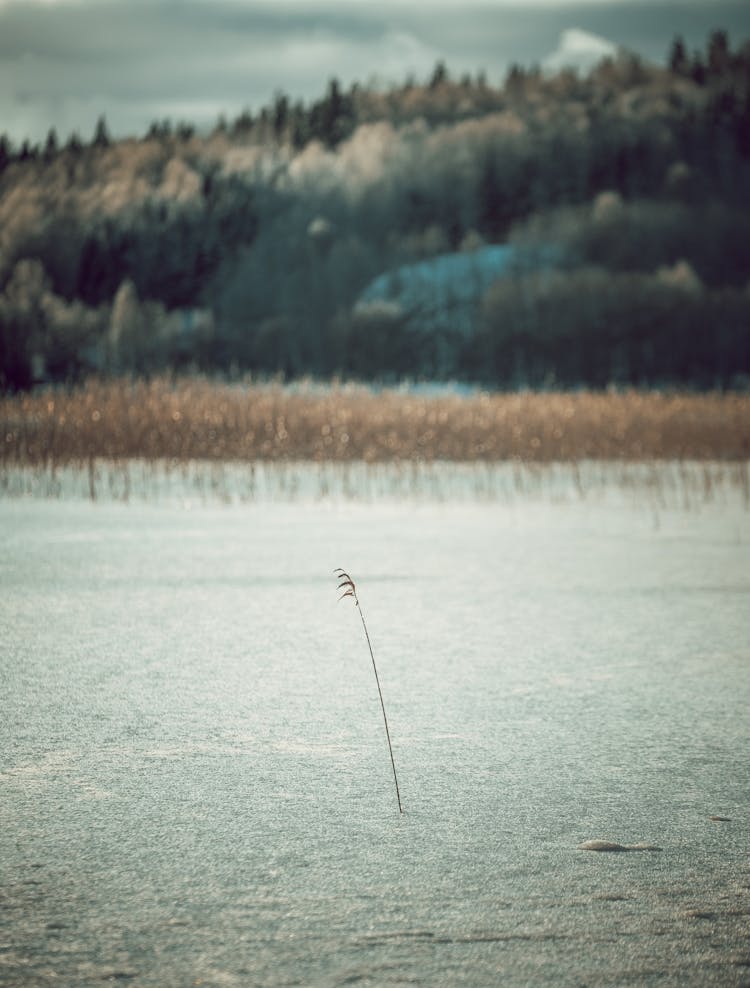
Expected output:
{"points": [[662, 484]]}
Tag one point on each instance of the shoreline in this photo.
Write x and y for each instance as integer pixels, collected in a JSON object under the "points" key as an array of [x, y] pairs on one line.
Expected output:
{"points": [[661, 484]]}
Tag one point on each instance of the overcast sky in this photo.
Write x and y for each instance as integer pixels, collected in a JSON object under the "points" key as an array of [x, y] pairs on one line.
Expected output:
{"points": [[65, 62]]}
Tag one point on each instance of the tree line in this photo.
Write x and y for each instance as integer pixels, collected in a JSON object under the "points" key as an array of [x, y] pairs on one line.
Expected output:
{"points": [[247, 248]]}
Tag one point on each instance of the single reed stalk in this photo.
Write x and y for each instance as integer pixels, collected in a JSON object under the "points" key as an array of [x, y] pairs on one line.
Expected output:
{"points": [[347, 585]]}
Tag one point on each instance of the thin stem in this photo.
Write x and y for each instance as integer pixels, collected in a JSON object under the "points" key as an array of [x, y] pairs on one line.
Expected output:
{"points": [[347, 585], [382, 706]]}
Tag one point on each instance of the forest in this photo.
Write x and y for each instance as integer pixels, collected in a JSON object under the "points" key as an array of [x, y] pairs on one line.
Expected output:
{"points": [[623, 194]]}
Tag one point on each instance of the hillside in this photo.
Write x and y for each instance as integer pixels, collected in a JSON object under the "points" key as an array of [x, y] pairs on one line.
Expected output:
{"points": [[247, 248]]}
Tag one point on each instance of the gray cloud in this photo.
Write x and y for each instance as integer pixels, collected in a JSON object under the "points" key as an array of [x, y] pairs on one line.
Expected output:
{"points": [[64, 63]]}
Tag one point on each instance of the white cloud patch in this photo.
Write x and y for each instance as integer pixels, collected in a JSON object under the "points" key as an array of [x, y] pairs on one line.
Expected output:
{"points": [[580, 50], [403, 52]]}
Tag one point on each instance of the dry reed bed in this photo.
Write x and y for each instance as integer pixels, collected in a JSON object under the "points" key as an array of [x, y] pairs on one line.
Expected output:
{"points": [[196, 419]]}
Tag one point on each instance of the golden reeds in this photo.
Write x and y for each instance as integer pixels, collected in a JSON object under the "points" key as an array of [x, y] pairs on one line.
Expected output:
{"points": [[197, 419]]}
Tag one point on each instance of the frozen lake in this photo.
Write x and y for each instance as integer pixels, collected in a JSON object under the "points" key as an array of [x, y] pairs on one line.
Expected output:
{"points": [[194, 779]]}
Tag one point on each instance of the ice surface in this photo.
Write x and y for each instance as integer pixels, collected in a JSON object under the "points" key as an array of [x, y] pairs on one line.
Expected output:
{"points": [[195, 783]]}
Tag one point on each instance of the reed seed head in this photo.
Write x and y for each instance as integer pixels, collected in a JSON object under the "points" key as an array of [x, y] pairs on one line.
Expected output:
{"points": [[346, 583]]}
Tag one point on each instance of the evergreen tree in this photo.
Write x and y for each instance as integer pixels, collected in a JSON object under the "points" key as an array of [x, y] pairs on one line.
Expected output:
{"points": [[679, 63], [244, 123], [74, 144], [515, 81], [330, 120], [718, 53], [439, 75], [280, 115], [6, 152], [332, 109], [491, 216], [698, 69], [159, 130], [300, 126], [101, 134], [51, 145]]}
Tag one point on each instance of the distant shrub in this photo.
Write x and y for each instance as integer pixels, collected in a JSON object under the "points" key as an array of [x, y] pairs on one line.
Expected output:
{"points": [[607, 206], [378, 342], [593, 326], [41, 334], [680, 275], [641, 236]]}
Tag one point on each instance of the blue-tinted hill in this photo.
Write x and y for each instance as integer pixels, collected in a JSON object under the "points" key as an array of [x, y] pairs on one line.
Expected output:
{"points": [[444, 292]]}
